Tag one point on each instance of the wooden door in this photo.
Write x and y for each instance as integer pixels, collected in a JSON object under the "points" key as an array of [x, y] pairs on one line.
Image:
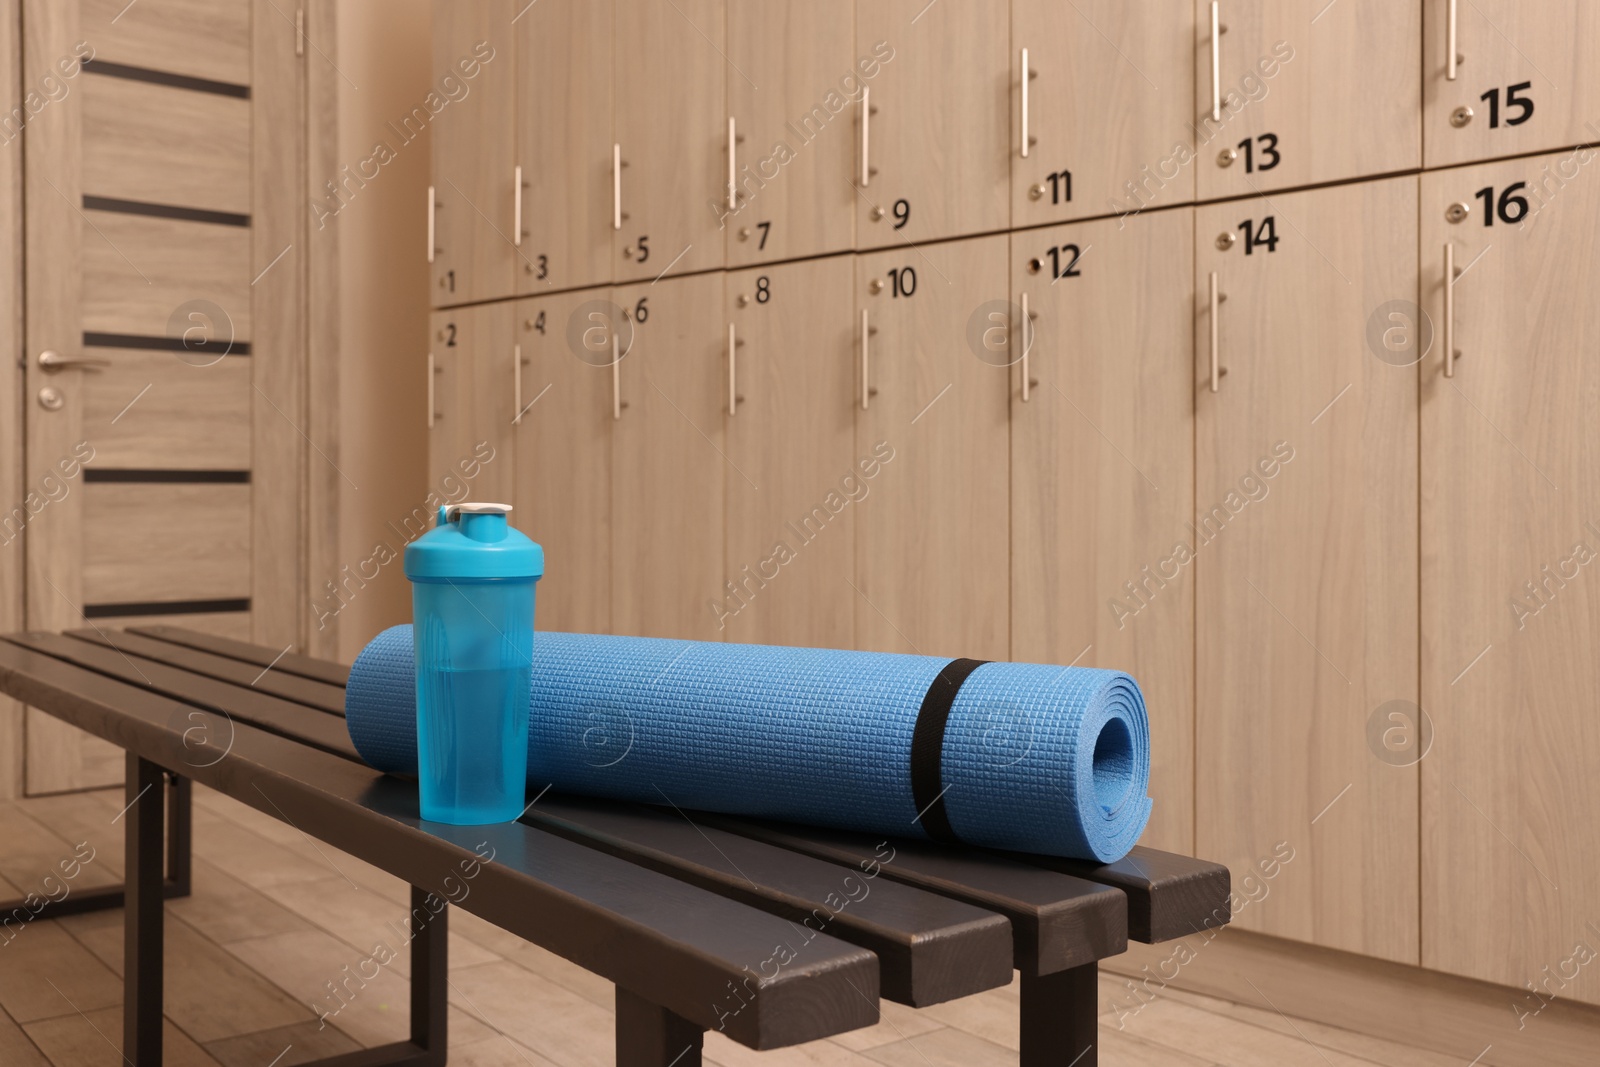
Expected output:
{"points": [[936, 143], [795, 471], [1525, 81], [564, 458], [1102, 475], [471, 119], [1305, 543], [563, 115], [671, 136], [1309, 93], [670, 459], [1108, 111], [1510, 605], [474, 399], [791, 188], [932, 538], [164, 386]]}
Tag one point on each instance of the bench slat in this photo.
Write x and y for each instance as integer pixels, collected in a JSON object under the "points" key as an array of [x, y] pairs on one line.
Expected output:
{"points": [[1168, 895], [1057, 921], [306, 725], [320, 695], [700, 955], [290, 662], [930, 948]]}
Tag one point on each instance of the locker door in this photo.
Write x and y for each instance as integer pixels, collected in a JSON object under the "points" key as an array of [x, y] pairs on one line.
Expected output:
{"points": [[1308, 93], [1305, 543], [564, 144], [1525, 80], [472, 397], [670, 459], [933, 134], [563, 447], [671, 139], [1510, 601], [932, 538], [793, 479], [1102, 486], [792, 154], [1108, 108], [473, 133]]}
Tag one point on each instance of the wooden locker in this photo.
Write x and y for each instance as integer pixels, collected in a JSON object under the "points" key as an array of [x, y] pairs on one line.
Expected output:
{"points": [[1305, 542], [564, 86], [563, 452], [471, 122], [1107, 108], [671, 135], [789, 184], [670, 459], [1102, 475], [932, 135], [1510, 603], [1525, 79], [1308, 93], [796, 475], [471, 361], [932, 539]]}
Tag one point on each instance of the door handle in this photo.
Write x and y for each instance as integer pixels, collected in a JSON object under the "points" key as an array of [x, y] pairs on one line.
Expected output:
{"points": [[1451, 43], [516, 384], [54, 361], [433, 368], [866, 123], [616, 187], [1027, 76], [616, 379], [432, 204], [733, 167], [733, 380], [1217, 371], [1216, 62], [516, 206], [866, 385], [1449, 310], [1028, 381]]}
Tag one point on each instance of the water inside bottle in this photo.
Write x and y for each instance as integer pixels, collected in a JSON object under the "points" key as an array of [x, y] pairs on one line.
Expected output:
{"points": [[472, 744]]}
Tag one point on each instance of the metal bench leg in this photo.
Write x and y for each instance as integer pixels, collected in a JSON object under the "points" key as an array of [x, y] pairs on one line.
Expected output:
{"points": [[15, 914], [142, 923], [649, 1035], [1060, 1018]]}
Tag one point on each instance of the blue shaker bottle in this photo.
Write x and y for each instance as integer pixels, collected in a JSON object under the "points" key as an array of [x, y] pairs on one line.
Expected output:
{"points": [[472, 612]]}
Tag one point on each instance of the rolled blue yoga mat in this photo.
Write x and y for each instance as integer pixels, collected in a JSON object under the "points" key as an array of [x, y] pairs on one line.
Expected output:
{"points": [[1023, 756]]}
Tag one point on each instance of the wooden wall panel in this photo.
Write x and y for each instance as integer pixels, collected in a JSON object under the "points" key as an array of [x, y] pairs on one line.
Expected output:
{"points": [[12, 395]]}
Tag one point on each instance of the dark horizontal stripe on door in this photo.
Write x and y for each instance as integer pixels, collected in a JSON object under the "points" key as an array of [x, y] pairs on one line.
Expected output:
{"points": [[164, 344], [165, 476], [166, 607], [161, 77], [164, 211]]}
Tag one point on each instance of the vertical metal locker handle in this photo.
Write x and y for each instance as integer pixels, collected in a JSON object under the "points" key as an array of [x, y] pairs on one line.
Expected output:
{"points": [[866, 120], [616, 379], [1451, 42], [866, 386], [1449, 310], [516, 206], [1024, 105], [516, 384], [430, 390], [733, 167], [733, 380], [1216, 375], [1027, 343], [430, 223], [616, 187], [1216, 62]]}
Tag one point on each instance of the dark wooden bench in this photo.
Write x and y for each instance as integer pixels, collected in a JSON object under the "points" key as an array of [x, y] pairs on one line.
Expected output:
{"points": [[774, 934]]}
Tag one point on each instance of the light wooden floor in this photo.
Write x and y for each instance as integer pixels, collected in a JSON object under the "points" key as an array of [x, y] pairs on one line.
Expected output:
{"points": [[275, 915]]}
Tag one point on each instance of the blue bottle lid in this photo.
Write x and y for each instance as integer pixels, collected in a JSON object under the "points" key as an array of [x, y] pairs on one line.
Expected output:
{"points": [[473, 541]]}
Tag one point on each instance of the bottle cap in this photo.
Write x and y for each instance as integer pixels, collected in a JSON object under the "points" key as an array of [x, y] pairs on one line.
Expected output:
{"points": [[473, 540]]}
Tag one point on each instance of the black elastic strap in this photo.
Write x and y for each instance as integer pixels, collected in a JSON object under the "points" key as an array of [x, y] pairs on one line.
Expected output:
{"points": [[927, 748]]}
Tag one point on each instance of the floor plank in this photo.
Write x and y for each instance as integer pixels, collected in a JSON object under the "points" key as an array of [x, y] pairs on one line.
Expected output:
{"points": [[208, 992], [284, 1046], [48, 974], [225, 909], [564, 1028], [16, 1048], [1215, 1038], [95, 1040]]}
